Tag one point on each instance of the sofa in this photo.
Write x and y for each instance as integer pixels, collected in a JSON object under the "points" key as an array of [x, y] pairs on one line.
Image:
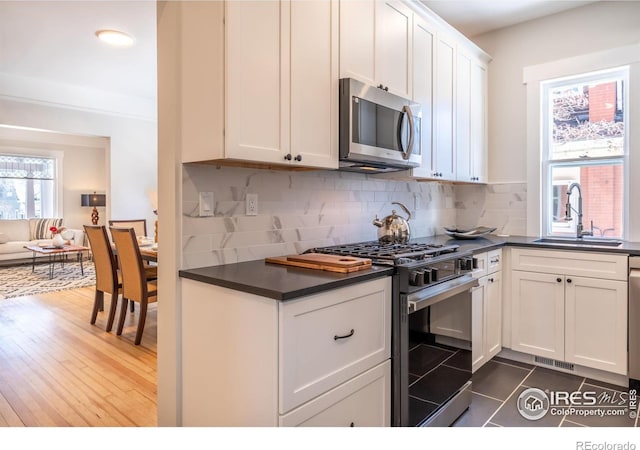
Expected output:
{"points": [[15, 234]]}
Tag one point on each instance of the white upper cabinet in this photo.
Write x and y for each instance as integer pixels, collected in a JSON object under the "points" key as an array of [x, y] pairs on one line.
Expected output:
{"points": [[470, 136], [478, 123], [280, 83], [282, 67], [422, 80], [256, 104], [313, 80], [442, 158], [375, 44], [393, 47]]}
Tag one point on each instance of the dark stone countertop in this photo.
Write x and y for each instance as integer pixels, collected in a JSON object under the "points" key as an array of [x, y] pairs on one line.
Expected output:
{"points": [[286, 282], [277, 281]]}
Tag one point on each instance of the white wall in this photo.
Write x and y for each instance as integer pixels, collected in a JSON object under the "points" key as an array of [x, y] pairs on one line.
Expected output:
{"points": [[598, 26], [132, 158]]}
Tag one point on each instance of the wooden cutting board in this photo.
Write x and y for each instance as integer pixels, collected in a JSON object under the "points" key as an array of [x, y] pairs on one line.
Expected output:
{"points": [[319, 261]]}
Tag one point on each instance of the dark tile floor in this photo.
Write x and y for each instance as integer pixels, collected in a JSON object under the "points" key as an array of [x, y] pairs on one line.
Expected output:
{"points": [[497, 385]]}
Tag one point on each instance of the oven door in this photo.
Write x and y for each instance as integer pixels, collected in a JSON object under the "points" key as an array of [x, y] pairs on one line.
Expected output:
{"points": [[432, 374]]}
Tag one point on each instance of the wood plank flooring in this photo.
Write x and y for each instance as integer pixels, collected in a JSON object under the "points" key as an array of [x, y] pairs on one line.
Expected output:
{"points": [[58, 370]]}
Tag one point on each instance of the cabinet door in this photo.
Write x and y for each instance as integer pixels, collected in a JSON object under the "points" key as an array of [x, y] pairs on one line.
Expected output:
{"points": [[478, 324], [537, 314], [444, 96], [313, 78], [463, 116], [255, 112], [478, 122], [596, 323], [357, 40], [393, 46], [493, 315], [423, 41]]}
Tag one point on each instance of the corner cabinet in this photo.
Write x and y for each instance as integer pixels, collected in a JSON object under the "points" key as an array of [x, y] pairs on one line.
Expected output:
{"points": [[571, 307], [277, 91], [318, 360]]}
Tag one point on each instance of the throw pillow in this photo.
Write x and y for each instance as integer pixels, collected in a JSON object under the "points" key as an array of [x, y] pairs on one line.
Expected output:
{"points": [[42, 228], [3, 238]]}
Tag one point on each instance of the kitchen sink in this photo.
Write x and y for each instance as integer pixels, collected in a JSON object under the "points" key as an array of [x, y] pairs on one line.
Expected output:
{"points": [[583, 241]]}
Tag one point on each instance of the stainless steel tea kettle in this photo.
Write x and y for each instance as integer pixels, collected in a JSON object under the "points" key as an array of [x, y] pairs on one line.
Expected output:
{"points": [[394, 228]]}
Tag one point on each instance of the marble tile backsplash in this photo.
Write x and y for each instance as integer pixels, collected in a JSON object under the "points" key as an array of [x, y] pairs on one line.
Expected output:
{"points": [[502, 205], [299, 210]]}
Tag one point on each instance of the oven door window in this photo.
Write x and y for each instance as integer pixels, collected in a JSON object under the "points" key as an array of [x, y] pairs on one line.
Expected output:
{"points": [[378, 126]]}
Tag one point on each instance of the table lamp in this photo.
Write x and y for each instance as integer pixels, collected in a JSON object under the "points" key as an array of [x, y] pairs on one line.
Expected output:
{"points": [[93, 200]]}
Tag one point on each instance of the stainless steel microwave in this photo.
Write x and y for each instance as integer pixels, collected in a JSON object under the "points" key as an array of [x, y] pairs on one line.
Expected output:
{"points": [[379, 131]]}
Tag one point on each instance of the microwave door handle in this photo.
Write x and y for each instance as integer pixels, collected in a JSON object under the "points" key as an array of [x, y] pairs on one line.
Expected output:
{"points": [[407, 110]]}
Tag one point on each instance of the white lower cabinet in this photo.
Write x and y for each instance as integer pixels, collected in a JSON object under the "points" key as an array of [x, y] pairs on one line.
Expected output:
{"points": [[319, 360], [360, 402], [537, 307], [559, 314], [596, 323], [486, 320]]}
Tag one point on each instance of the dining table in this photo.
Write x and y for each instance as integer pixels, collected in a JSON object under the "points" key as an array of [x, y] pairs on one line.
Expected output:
{"points": [[149, 252]]}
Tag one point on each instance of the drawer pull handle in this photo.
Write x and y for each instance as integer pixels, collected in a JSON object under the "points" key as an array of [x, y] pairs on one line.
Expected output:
{"points": [[336, 337]]}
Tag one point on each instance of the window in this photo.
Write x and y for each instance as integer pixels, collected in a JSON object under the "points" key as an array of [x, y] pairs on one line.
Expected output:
{"points": [[584, 149], [27, 187]]}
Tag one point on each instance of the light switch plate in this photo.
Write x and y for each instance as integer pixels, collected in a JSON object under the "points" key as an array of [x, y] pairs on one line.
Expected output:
{"points": [[252, 204], [205, 204]]}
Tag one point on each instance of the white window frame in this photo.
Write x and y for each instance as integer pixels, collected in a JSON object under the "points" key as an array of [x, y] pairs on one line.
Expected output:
{"points": [[548, 164], [602, 60], [58, 156]]}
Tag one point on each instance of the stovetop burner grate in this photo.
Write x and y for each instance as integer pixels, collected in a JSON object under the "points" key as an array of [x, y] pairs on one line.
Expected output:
{"points": [[389, 253]]}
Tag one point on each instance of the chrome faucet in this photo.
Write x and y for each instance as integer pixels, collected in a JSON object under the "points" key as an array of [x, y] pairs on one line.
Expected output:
{"points": [[580, 232]]}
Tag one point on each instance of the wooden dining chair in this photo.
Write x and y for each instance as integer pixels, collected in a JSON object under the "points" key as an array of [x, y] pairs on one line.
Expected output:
{"points": [[107, 279], [136, 287]]}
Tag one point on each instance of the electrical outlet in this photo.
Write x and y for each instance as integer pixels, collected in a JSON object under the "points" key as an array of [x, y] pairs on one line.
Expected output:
{"points": [[205, 204], [252, 204]]}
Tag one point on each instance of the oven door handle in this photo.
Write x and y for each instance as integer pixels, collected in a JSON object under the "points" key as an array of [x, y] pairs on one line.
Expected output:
{"points": [[434, 294]]}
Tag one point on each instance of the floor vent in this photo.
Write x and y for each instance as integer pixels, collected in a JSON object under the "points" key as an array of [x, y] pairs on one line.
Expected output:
{"points": [[563, 365], [554, 363], [546, 361]]}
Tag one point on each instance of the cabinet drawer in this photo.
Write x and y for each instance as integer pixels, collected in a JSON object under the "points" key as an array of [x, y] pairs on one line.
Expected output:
{"points": [[328, 338], [588, 264], [494, 260], [363, 401]]}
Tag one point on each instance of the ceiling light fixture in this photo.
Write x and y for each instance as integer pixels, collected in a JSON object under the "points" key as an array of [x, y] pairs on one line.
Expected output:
{"points": [[115, 37]]}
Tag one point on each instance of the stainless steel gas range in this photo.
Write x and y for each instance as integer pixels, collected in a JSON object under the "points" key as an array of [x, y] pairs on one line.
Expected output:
{"points": [[431, 372]]}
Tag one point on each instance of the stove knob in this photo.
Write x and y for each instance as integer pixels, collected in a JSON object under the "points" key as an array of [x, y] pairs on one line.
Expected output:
{"points": [[467, 264], [434, 275], [426, 276], [416, 278]]}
